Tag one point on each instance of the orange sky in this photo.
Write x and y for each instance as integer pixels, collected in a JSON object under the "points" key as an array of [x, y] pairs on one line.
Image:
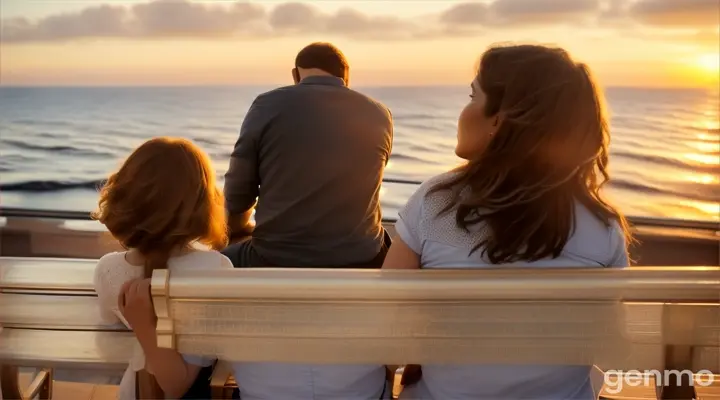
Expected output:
{"points": [[658, 43]]}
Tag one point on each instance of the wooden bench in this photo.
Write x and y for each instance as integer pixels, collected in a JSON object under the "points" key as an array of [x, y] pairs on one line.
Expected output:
{"points": [[50, 320], [633, 319]]}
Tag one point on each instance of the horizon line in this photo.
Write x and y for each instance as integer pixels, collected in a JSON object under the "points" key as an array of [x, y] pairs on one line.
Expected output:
{"points": [[277, 85]]}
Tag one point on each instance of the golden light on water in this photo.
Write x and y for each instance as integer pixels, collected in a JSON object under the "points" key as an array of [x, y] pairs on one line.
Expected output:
{"points": [[705, 137], [711, 125], [711, 209], [703, 179], [705, 147], [707, 159]]}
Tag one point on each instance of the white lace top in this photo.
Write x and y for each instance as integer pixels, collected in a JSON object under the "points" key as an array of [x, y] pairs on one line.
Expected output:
{"points": [[112, 271]]}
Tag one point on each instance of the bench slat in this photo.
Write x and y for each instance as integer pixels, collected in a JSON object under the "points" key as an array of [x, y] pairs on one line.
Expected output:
{"points": [[650, 323], [664, 284], [53, 312], [47, 273], [422, 351], [66, 349]]}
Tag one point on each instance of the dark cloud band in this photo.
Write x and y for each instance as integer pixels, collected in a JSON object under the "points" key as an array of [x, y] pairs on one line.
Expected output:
{"points": [[182, 18]]}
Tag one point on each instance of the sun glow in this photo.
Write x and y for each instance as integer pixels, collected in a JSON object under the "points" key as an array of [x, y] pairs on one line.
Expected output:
{"points": [[709, 62]]}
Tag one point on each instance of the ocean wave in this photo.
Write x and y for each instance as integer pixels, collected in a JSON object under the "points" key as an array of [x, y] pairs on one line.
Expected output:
{"points": [[206, 141], [712, 131], [690, 191], [664, 161], [414, 117], [406, 157], [217, 128], [634, 186], [33, 122], [70, 150], [49, 186], [13, 159]]}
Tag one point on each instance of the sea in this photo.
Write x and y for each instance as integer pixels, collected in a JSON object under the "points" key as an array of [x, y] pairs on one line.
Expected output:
{"points": [[58, 144]]}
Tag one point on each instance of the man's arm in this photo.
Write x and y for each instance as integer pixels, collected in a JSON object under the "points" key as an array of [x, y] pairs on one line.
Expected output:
{"points": [[242, 178]]}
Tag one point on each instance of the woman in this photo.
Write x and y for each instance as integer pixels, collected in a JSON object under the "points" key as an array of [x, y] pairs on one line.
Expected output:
{"points": [[535, 137], [161, 205]]}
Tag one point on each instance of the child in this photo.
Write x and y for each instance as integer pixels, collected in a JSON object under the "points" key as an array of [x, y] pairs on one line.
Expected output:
{"points": [[160, 205]]}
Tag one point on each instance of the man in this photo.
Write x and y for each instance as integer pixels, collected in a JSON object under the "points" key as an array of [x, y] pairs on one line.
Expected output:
{"points": [[312, 155]]}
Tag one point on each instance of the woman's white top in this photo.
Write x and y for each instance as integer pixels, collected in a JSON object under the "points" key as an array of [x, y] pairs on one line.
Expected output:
{"points": [[112, 271], [442, 244]]}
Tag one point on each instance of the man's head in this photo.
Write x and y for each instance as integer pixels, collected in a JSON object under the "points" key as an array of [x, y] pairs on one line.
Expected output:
{"points": [[318, 59]]}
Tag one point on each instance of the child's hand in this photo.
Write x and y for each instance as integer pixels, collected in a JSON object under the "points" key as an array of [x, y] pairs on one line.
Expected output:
{"points": [[135, 304]]}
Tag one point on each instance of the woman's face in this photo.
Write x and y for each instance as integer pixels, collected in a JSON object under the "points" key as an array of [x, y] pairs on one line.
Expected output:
{"points": [[475, 129]]}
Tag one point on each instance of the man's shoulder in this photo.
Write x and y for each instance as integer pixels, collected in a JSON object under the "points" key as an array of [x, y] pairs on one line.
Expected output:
{"points": [[380, 106], [285, 93], [275, 94]]}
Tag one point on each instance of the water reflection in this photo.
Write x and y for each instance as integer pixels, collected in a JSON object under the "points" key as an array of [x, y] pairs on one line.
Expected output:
{"points": [[705, 147], [708, 159], [705, 179], [708, 142], [711, 209]]}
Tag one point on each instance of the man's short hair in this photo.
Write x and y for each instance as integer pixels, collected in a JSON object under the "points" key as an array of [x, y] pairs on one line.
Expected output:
{"points": [[326, 57]]}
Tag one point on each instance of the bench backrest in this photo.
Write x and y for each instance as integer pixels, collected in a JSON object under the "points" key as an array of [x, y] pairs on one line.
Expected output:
{"points": [[47, 275], [616, 319], [396, 317], [50, 317]]}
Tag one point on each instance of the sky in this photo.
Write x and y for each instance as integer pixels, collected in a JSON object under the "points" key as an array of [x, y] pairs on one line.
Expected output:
{"points": [[646, 43]]}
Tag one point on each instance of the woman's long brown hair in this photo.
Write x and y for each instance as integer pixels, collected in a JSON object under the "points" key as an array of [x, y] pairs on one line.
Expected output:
{"points": [[549, 151], [163, 198]]}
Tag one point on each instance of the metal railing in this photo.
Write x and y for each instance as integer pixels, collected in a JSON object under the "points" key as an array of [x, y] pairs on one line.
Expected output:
{"points": [[19, 212]]}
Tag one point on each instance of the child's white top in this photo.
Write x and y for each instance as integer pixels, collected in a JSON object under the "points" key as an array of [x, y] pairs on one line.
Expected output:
{"points": [[113, 270]]}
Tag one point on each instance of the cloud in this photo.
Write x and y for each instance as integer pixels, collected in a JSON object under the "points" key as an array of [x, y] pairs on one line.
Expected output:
{"points": [[181, 18], [172, 18], [352, 21], [527, 12], [189, 19], [543, 11], [304, 18], [104, 20], [678, 13], [160, 18], [295, 17], [709, 39], [466, 14]]}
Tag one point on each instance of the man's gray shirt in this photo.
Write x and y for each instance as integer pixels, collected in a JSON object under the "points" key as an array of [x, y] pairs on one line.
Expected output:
{"points": [[313, 155]]}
